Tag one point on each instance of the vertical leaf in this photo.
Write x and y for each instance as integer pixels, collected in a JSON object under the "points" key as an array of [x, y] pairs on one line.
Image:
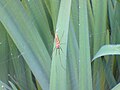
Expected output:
{"points": [[55, 5], [58, 71], [99, 36], [85, 78], [4, 55], [4, 86], [27, 39], [72, 61], [22, 73]]}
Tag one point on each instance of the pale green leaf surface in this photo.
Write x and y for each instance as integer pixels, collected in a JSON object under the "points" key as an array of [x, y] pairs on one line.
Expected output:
{"points": [[55, 5], [74, 17], [99, 36], [4, 55], [108, 73], [100, 24], [117, 23], [111, 13], [27, 39], [117, 87], [107, 50], [13, 86], [40, 20], [4, 86], [85, 78], [22, 72], [58, 71], [72, 61], [91, 27]]}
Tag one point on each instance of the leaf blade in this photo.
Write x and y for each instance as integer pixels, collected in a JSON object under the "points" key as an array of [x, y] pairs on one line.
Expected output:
{"points": [[85, 78]]}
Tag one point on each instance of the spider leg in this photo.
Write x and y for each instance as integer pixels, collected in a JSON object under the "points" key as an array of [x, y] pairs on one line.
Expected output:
{"points": [[53, 49], [56, 52], [62, 36], [61, 49], [62, 43], [60, 60]]}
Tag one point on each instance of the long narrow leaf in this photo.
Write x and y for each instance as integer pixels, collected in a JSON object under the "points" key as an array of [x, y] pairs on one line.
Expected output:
{"points": [[85, 78], [108, 50], [4, 54], [27, 39], [117, 87], [99, 36], [58, 72], [4, 86], [72, 62]]}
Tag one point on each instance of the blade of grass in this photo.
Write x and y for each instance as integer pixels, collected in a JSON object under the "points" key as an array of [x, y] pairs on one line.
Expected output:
{"points": [[99, 36], [91, 26], [117, 87], [4, 55], [58, 71], [107, 50], [55, 5], [72, 62], [117, 30], [13, 86], [22, 72], [25, 36], [85, 78], [74, 17], [108, 73], [4, 86], [39, 18]]}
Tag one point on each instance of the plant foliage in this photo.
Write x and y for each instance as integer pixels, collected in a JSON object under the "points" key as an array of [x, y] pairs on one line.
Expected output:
{"points": [[83, 56]]}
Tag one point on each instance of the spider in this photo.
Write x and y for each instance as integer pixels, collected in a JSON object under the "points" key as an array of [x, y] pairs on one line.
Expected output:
{"points": [[58, 47]]}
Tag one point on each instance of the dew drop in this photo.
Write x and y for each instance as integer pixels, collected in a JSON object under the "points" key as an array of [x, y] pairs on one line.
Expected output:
{"points": [[57, 30], [2, 86]]}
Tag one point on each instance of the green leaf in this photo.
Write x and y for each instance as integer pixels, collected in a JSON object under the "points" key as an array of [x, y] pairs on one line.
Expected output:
{"points": [[55, 5], [27, 39], [4, 86], [74, 18], [72, 60], [39, 18], [13, 86], [22, 72], [98, 38], [58, 71], [107, 50], [85, 77], [4, 54], [117, 87], [91, 27]]}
